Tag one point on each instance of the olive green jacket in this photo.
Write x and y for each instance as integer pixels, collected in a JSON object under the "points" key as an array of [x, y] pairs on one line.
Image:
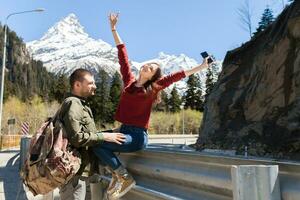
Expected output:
{"points": [[80, 127]]}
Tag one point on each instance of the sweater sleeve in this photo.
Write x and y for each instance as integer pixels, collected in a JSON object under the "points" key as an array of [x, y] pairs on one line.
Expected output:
{"points": [[126, 72], [169, 79]]}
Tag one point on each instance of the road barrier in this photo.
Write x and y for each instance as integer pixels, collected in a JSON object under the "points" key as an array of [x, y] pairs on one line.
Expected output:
{"points": [[169, 174], [173, 139], [164, 173]]}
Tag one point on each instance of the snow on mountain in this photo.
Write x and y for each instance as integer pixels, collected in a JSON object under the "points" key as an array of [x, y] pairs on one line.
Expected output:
{"points": [[172, 63], [66, 46]]}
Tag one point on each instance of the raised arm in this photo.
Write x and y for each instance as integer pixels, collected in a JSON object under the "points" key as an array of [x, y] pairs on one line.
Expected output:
{"points": [[125, 69], [113, 19], [197, 68], [165, 81]]}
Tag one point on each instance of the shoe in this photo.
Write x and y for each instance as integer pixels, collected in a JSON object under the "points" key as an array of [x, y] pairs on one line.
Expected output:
{"points": [[113, 180], [112, 183], [124, 183]]}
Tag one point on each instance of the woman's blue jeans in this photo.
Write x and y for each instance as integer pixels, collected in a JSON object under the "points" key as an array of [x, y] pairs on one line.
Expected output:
{"points": [[136, 139]]}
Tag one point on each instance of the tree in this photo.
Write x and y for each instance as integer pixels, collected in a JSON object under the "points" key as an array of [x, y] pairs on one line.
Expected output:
{"points": [[100, 103], [175, 101], [245, 15], [193, 97], [114, 94], [163, 105], [24, 76], [61, 87], [266, 19], [209, 82]]}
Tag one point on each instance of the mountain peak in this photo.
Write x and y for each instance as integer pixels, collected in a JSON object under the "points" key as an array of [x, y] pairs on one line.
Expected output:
{"points": [[69, 25]]}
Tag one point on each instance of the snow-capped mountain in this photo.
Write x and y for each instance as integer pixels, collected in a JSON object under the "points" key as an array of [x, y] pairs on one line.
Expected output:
{"points": [[172, 63], [66, 46]]}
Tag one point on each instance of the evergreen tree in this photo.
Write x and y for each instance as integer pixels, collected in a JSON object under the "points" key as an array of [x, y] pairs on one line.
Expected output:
{"points": [[174, 101], [163, 105], [266, 19], [61, 87], [193, 97], [209, 82], [24, 76], [115, 92], [100, 103]]}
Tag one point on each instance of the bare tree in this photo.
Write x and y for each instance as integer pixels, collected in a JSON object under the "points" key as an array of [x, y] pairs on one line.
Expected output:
{"points": [[245, 16], [283, 4]]}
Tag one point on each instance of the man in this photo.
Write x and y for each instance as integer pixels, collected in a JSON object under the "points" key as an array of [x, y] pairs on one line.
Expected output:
{"points": [[79, 124]]}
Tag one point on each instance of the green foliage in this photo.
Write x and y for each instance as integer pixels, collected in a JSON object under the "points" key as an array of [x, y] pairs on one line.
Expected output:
{"points": [[209, 82], [211, 78], [24, 77], [193, 97], [174, 101], [100, 103], [60, 88], [34, 111], [266, 19], [163, 105], [171, 123], [114, 94]]}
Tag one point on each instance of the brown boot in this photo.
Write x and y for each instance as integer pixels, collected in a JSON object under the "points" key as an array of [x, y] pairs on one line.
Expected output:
{"points": [[113, 181], [124, 183]]}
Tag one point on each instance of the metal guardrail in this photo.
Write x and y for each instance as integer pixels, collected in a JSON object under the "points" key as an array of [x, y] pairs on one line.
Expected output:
{"points": [[169, 174], [165, 173], [173, 139]]}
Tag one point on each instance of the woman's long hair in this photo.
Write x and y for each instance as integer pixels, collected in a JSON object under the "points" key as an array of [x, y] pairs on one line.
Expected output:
{"points": [[149, 87]]}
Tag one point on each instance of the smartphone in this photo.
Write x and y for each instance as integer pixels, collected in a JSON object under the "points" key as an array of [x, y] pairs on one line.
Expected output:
{"points": [[205, 55]]}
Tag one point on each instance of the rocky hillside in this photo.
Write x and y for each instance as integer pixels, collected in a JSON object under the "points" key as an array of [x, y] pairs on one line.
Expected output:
{"points": [[256, 102], [24, 77]]}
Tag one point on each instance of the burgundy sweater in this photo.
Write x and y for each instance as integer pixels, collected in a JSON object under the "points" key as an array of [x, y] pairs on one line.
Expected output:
{"points": [[135, 103]]}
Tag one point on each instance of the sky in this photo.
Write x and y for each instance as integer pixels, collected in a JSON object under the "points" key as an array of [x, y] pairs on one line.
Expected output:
{"points": [[146, 26]]}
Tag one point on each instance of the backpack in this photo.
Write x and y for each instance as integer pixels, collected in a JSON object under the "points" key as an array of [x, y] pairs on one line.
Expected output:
{"points": [[50, 162]]}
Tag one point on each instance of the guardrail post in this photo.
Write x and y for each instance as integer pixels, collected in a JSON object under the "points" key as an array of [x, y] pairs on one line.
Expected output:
{"points": [[96, 191], [98, 185], [24, 146], [255, 182]]}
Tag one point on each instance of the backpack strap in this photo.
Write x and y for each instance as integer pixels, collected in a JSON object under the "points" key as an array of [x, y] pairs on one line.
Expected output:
{"points": [[56, 116]]}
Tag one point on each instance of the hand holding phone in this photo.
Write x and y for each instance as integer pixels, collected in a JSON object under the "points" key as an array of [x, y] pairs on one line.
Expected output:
{"points": [[205, 55]]}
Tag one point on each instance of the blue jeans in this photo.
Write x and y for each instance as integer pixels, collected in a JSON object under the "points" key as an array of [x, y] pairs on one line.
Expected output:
{"points": [[136, 139]]}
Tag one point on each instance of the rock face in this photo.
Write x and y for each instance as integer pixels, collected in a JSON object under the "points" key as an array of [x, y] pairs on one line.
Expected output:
{"points": [[256, 102]]}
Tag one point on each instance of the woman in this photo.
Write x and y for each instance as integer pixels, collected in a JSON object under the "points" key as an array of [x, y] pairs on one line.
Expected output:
{"points": [[133, 112]]}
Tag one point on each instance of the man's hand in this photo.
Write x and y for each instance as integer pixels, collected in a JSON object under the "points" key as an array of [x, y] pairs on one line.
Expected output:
{"points": [[116, 130], [118, 138]]}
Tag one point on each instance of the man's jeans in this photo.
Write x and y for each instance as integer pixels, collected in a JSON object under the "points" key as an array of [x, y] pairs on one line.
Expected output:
{"points": [[136, 139]]}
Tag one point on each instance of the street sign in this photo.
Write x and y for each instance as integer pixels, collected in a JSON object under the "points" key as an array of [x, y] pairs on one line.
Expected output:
{"points": [[11, 121]]}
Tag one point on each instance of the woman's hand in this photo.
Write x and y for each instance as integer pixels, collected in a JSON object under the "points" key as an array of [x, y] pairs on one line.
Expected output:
{"points": [[197, 68], [113, 19], [205, 63]]}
